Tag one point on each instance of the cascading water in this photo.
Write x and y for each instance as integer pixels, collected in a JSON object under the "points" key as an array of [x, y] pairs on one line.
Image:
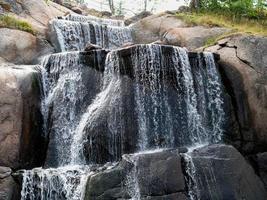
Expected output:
{"points": [[166, 102], [149, 97], [75, 32], [89, 18]]}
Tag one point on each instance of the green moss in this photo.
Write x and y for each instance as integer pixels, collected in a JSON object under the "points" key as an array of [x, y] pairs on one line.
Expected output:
{"points": [[7, 21], [210, 19]]}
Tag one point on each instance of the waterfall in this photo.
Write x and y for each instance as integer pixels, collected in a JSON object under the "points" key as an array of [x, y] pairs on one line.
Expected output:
{"points": [[74, 35], [90, 18], [172, 107], [145, 97], [60, 183]]}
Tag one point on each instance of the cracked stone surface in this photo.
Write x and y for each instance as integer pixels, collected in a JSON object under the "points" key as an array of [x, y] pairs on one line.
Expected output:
{"points": [[244, 67]]}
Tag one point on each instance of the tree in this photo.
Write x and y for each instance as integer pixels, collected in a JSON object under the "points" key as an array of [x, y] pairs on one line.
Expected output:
{"points": [[145, 5], [111, 6]]}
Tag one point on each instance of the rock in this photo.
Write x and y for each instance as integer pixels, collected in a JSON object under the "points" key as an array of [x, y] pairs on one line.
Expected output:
{"points": [[261, 162], [90, 47], [158, 175], [152, 28], [192, 37], [11, 6], [137, 17], [36, 13], [222, 173], [58, 2], [159, 42], [105, 14], [243, 64], [173, 31], [99, 150], [184, 9], [22, 51], [9, 190], [128, 44], [21, 140], [77, 10], [5, 172]]}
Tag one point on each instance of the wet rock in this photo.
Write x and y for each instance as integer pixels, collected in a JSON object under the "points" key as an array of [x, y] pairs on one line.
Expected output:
{"points": [[158, 175], [221, 172], [90, 47], [261, 162], [128, 44], [109, 122], [21, 141], [242, 63]]}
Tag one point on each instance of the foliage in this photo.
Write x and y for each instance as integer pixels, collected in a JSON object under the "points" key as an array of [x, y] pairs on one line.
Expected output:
{"points": [[253, 9], [211, 19], [7, 21]]}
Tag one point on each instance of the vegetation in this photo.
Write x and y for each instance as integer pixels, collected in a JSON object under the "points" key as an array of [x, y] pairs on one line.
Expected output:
{"points": [[248, 16], [7, 21], [211, 19], [253, 9]]}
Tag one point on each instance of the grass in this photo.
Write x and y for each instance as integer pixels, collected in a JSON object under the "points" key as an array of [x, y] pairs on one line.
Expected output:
{"points": [[7, 21], [242, 25]]}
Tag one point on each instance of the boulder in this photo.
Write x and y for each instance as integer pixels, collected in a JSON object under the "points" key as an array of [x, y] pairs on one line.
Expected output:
{"points": [[20, 47], [137, 17], [148, 175], [152, 28], [261, 166], [37, 13], [243, 65], [173, 31], [192, 37], [9, 190], [221, 172], [21, 140], [77, 10]]}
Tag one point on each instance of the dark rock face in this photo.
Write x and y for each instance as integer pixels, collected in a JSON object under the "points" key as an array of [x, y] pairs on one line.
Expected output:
{"points": [[243, 69], [86, 70], [22, 142], [222, 173], [261, 166], [158, 176], [8, 187], [114, 130]]}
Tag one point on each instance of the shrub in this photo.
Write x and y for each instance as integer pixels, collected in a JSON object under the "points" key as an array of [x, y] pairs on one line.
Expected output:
{"points": [[7, 21]]}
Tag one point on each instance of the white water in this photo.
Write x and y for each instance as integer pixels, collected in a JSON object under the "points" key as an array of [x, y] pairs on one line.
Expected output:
{"points": [[90, 18], [74, 35], [171, 110], [60, 183]]}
